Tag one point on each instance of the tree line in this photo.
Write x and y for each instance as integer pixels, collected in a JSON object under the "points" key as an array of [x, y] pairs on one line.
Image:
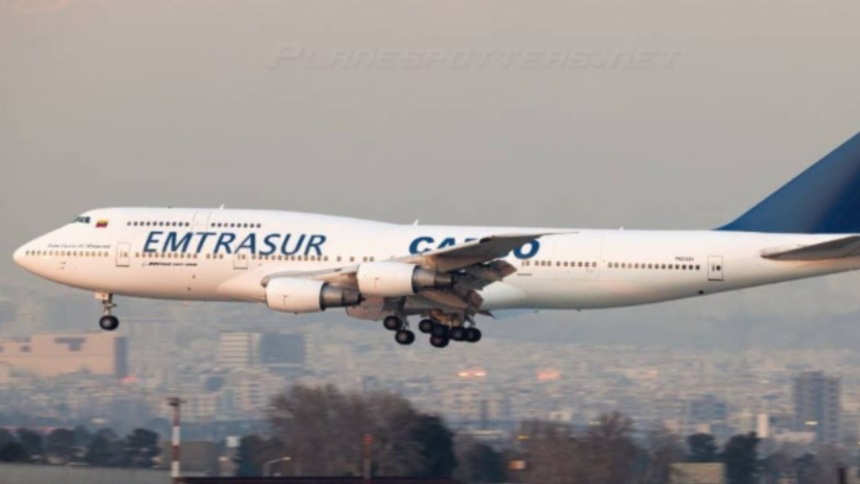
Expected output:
{"points": [[316, 431], [103, 448], [322, 431]]}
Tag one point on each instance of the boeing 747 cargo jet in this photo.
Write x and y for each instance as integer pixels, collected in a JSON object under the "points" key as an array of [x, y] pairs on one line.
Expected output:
{"points": [[448, 276]]}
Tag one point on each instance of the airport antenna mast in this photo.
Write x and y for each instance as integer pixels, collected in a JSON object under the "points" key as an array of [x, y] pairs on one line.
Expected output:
{"points": [[176, 403]]}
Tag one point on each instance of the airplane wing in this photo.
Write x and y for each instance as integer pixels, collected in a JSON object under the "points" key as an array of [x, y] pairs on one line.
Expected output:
{"points": [[476, 263], [472, 252], [835, 249]]}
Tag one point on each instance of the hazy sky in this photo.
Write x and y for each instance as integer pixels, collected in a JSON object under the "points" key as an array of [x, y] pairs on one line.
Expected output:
{"points": [[604, 113]]}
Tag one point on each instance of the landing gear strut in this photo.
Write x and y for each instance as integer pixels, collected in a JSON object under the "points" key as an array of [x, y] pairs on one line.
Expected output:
{"points": [[108, 321]]}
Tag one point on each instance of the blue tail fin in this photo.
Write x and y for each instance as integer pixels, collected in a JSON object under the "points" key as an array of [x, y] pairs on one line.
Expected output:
{"points": [[824, 199]]}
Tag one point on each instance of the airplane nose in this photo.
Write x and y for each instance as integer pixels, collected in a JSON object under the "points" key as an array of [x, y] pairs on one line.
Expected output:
{"points": [[18, 257]]}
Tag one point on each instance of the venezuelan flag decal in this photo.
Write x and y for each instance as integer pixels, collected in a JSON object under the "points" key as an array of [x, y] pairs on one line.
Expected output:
{"points": [[101, 224]]}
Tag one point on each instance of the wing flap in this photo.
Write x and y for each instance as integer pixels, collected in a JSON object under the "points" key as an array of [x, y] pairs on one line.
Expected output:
{"points": [[835, 249]]}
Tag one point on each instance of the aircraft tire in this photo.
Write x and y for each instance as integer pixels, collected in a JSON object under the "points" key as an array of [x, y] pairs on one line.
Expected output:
{"points": [[392, 323], [404, 337], [439, 342], [426, 326], [109, 323]]}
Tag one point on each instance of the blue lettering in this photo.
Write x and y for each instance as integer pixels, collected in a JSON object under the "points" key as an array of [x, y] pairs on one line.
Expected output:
{"points": [[224, 240], [249, 243], [521, 254], [448, 242], [425, 243], [272, 247], [314, 244], [414, 246], [151, 240], [285, 245], [172, 244], [203, 237]]}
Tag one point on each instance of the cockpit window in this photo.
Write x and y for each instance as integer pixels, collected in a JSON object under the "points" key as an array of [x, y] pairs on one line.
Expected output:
{"points": [[82, 220]]}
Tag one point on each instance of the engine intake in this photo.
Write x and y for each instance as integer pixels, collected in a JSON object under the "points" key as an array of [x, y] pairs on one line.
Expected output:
{"points": [[295, 295], [396, 279]]}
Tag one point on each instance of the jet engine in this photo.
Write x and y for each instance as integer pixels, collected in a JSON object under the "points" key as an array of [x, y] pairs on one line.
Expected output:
{"points": [[293, 295], [396, 279]]}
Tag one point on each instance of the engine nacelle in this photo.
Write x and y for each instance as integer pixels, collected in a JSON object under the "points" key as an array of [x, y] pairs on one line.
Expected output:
{"points": [[295, 295], [396, 279]]}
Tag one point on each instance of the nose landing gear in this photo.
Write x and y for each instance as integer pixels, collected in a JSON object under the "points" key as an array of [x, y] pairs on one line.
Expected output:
{"points": [[108, 321]]}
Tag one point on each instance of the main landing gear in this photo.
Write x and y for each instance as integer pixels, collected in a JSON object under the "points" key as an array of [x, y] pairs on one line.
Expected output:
{"points": [[400, 326], [455, 328], [442, 334], [108, 321]]}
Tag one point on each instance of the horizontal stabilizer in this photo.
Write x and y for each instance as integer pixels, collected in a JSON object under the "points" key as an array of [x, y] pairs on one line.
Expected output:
{"points": [[834, 249]]}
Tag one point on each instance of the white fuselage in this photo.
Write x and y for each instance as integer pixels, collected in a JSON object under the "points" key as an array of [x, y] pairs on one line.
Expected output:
{"points": [[222, 255]]}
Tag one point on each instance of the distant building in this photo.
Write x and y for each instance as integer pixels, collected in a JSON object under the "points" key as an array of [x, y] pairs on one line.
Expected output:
{"points": [[237, 350], [254, 388], [282, 352], [707, 409], [690, 473], [54, 354], [817, 406]]}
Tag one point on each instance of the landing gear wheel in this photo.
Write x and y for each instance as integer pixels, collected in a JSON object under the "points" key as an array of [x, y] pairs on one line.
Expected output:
{"points": [[473, 335], [404, 337], [392, 323], [109, 323], [459, 333], [439, 331], [439, 342], [426, 326]]}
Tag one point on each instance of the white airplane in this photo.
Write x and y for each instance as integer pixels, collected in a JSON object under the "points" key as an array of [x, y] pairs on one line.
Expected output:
{"points": [[304, 263]]}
